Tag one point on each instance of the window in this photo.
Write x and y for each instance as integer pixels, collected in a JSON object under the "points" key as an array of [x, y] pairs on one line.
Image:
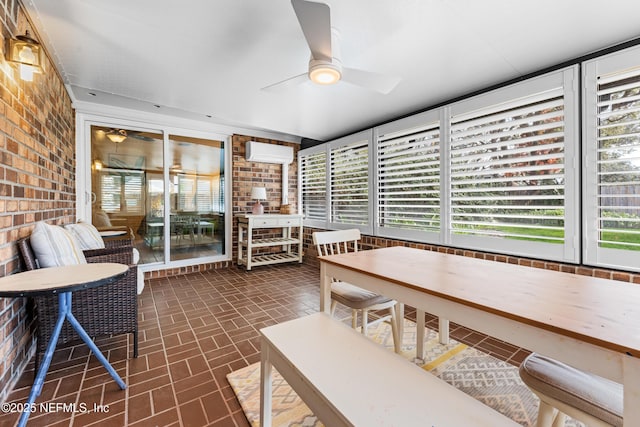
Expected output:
{"points": [[507, 172], [119, 186], [349, 181], [408, 180], [313, 185], [194, 194], [612, 168], [495, 172]]}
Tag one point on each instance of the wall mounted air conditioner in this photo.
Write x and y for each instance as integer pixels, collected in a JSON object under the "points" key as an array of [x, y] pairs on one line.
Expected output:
{"points": [[268, 153]]}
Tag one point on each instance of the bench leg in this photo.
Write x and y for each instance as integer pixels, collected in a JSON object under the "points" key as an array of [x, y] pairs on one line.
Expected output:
{"points": [[265, 387]]}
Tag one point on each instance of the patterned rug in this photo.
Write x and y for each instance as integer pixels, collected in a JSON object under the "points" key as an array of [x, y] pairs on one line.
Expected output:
{"points": [[489, 380]]}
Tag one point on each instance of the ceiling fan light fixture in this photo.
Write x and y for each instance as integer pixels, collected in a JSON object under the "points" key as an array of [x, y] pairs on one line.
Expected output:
{"points": [[324, 72], [117, 137]]}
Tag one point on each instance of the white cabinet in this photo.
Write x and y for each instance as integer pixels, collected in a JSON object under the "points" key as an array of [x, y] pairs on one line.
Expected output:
{"points": [[291, 244]]}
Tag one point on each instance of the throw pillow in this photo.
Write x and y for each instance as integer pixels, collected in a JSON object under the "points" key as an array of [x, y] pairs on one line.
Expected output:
{"points": [[86, 234], [101, 219], [54, 246]]}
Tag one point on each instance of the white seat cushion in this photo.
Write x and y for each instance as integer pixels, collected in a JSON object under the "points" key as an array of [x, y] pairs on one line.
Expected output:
{"points": [[54, 246], [86, 234], [354, 296], [587, 392]]}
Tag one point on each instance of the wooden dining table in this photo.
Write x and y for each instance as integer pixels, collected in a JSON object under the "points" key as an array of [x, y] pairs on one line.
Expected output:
{"points": [[590, 323]]}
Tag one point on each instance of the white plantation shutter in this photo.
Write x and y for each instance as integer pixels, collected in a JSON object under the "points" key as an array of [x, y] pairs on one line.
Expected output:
{"points": [[349, 183], [203, 195], [313, 185], [186, 193], [408, 173], [612, 144], [110, 192], [116, 184], [508, 171], [133, 192]]}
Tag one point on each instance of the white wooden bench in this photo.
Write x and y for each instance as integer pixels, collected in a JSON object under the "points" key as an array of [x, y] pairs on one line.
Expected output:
{"points": [[348, 380]]}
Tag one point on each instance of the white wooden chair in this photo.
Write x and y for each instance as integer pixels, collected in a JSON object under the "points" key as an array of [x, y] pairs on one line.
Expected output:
{"points": [[354, 297], [564, 390]]}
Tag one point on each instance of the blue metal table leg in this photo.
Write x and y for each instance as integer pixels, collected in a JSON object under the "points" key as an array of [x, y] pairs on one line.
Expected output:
{"points": [[87, 339], [64, 312], [44, 367]]}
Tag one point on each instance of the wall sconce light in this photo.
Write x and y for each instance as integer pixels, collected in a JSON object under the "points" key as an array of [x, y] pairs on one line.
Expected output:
{"points": [[117, 136], [27, 52], [97, 164], [257, 194]]}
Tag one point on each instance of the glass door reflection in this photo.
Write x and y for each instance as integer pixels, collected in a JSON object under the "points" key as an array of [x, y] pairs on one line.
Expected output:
{"points": [[196, 197], [128, 186]]}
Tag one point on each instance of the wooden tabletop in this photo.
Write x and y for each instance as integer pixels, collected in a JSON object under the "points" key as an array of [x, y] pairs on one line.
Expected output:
{"points": [[58, 279], [600, 311]]}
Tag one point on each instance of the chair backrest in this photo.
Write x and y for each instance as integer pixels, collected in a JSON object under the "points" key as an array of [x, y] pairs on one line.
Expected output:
{"points": [[29, 258], [336, 242]]}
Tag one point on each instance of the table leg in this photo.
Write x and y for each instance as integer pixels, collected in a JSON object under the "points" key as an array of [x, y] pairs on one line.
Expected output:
{"points": [[419, 337], [443, 330], [631, 383], [36, 388], [64, 312], [400, 320], [325, 290], [265, 386], [92, 346]]}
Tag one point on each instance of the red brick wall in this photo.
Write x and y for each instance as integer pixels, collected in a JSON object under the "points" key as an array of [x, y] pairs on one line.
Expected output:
{"points": [[37, 178], [248, 174]]}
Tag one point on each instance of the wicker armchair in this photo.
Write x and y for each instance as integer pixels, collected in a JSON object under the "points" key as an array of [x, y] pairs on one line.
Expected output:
{"points": [[106, 310]]}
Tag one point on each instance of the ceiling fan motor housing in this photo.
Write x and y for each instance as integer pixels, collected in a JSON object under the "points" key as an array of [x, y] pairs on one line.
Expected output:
{"points": [[325, 72]]}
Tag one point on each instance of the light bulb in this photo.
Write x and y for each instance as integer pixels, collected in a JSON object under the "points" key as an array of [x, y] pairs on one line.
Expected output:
{"points": [[26, 72], [26, 55], [324, 75]]}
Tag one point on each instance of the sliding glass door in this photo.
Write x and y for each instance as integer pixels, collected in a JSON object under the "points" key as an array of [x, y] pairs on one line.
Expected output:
{"points": [[196, 186], [170, 199]]}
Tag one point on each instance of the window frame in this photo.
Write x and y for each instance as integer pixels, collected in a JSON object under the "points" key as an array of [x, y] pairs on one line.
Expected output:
{"points": [[567, 79], [357, 138], [568, 251], [406, 126], [311, 151], [593, 254]]}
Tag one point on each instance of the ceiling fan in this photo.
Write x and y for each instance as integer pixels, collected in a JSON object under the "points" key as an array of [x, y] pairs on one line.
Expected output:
{"points": [[325, 65]]}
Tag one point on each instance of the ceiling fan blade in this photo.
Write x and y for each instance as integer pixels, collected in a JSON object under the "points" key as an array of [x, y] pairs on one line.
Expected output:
{"points": [[367, 79], [285, 84], [315, 21]]}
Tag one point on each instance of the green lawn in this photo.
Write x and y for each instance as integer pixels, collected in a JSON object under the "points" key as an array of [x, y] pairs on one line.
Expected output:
{"points": [[618, 238]]}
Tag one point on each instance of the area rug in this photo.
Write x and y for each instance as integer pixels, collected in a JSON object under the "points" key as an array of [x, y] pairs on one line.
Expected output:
{"points": [[489, 380]]}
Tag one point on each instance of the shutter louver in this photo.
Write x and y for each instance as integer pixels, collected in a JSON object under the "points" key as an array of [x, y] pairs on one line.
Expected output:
{"points": [[350, 184], [507, 170], [313, 186], [409, 180], [618, 161]]}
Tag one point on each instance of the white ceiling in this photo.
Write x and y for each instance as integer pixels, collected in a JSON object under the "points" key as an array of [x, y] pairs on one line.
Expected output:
{"points": [[212, 57]]}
